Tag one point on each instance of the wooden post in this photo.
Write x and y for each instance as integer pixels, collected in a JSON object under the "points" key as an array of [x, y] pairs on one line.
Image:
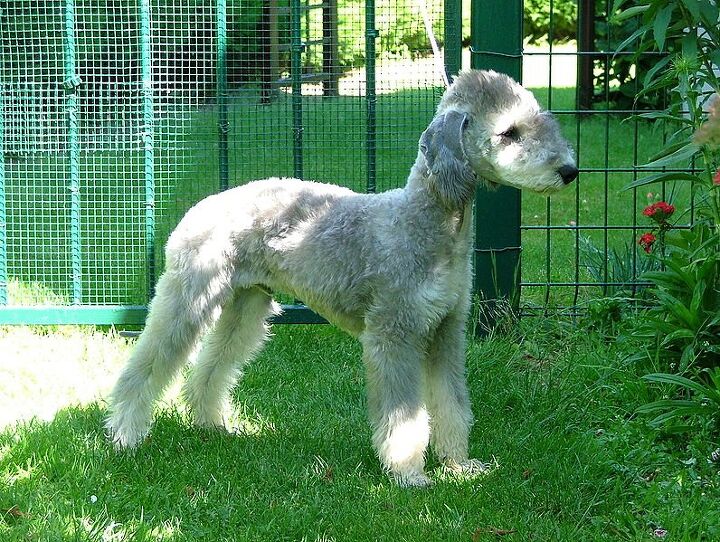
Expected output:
{"points": [[269, 39]]}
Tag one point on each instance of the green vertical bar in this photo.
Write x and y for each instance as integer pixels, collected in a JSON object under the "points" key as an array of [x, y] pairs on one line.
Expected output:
{"points": [[3, 215], [453, 37], [497, 213], [71, 84], [222, 94], [148, 137], [296, 49], [371, 35]]}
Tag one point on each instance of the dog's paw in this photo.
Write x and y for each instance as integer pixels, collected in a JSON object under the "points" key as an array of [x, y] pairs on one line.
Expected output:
{"points": [[124, 435], [225, 421], [122, 441], [217, 424], [416, 479], [466, 469], [468, 466]]}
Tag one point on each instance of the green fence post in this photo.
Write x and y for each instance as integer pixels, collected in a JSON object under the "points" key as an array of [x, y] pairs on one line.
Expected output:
{"points": [[497, 213], [222, 94], [296, 49], [148, 137], [331, 56], [71, 84], [453, 37], [371, 34], [3, 215]]}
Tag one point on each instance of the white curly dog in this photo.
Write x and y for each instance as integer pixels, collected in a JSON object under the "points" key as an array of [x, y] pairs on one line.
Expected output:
{"points": [[392, 269]]}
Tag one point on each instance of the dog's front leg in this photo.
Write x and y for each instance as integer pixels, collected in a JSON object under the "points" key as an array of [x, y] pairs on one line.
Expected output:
{"points": [[447, 395], [397, 414]]}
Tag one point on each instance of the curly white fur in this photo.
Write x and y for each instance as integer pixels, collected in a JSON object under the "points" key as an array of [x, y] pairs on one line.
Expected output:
{"points": [[392, 269]]}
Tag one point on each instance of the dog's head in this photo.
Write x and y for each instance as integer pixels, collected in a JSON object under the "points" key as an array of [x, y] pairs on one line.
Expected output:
{"points": [[489, 126]]}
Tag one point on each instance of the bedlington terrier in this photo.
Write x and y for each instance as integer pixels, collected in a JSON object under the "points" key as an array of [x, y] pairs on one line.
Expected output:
{"points": [[392, 269]]}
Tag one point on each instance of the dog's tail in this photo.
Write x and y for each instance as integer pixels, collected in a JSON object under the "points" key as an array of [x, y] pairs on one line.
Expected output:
{"points": [[175, 321]]}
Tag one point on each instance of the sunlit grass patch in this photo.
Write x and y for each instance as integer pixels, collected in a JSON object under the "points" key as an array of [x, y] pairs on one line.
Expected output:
{"points": [[554, 416]]}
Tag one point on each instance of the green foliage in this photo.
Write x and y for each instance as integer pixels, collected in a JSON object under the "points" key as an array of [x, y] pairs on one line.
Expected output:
{"points": [[617, 271], [685, 31], [703, 401], [401, 31], [656, 31], [400, 26], [606, 314], [684, 318], [620, 267], [682, 326], [619, 78], [540, 22]]}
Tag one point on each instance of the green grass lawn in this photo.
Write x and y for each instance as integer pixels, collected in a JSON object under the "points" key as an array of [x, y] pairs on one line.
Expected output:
{"points": [[554, 416]]}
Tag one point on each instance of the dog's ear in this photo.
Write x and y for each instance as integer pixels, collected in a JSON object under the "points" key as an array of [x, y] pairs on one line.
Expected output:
{"points": [[441, 145]]}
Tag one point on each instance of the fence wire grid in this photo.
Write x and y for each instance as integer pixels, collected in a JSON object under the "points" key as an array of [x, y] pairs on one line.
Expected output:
{"points": [[117, 116]]}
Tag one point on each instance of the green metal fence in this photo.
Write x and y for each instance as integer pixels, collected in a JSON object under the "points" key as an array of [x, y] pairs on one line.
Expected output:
{"points": [[115, 117], [582, 244], [118, 116]]}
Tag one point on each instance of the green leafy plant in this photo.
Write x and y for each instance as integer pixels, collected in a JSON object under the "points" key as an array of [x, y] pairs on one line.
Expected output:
{"points": [[702, 399], [688, 33], [617, 78], [617, 269], [681, 328], [683, 320], [539, 21], [619, 266]]}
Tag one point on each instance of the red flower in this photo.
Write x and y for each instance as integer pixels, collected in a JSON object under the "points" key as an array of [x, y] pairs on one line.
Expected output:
{"points": [[659, 211], [716, 177], [646, 241]]}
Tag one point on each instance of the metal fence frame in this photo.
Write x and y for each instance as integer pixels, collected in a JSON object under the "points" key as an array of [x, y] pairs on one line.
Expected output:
{"points": [[132, 315], [498, 244], [595, 54], [497, 213]]}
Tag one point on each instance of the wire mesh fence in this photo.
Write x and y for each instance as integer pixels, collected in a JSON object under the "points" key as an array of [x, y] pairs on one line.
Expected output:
{"points": [[582, 244], [117, 116]]}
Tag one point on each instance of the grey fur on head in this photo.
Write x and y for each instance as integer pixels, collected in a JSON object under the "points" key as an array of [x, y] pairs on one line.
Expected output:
{"points": [[392, 269], [509, 140]]}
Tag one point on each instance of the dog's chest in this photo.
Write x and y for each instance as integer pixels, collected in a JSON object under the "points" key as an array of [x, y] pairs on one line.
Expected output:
{"points": [[447, 279]]}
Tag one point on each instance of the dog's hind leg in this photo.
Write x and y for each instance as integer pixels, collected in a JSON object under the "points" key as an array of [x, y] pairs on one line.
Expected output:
{"points": [[238, 335], [177, 317], [397, 413]]}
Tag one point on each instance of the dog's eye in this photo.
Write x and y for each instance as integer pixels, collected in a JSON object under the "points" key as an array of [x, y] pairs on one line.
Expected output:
{"points": [[512, 133]]}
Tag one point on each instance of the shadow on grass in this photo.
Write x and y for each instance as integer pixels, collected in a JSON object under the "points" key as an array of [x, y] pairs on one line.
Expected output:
{"points": [[64, 477]]}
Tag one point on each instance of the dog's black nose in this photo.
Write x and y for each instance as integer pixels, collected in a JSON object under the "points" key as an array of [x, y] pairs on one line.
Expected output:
{"points": [[568, 173]]}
